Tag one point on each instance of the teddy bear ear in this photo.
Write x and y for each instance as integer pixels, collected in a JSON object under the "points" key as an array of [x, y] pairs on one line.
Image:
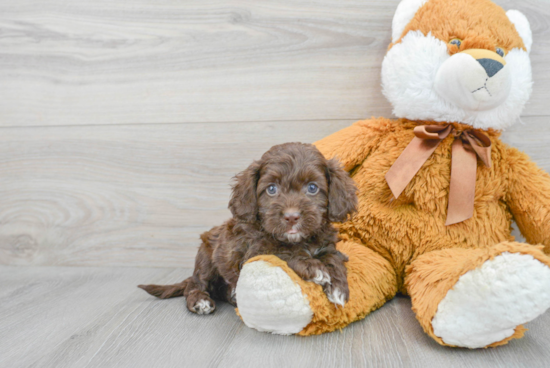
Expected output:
{"points": [[522, 26], [403, 15]]}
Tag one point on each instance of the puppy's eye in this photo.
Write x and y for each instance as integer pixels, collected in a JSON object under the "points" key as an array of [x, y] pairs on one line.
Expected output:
{"points": [[500, 51], [312, 188], [271, 189], [456, 42]]}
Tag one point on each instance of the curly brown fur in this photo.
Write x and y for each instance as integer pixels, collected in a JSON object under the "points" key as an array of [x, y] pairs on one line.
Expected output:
{"points": [[282, 205]]}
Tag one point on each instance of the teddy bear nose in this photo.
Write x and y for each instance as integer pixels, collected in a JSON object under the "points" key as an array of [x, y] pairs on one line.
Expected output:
{"points": [[491, 66], [292, 217]]}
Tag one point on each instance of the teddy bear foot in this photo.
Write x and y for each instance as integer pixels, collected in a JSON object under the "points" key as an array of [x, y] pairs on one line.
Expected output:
{"points": [[488, 304], [270, 301]]}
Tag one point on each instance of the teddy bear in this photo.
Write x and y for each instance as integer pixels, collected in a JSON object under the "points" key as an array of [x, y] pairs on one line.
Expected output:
{"points": [[438, 190]]}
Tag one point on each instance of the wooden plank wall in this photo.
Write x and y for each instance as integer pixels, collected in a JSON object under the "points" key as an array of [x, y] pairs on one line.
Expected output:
{"points": [[122, 123]]}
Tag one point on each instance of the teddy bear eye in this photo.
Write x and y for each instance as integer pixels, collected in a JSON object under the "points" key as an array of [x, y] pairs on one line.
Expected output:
{"points": [[312, 188], [271, 189], [456, 41], [500, 51]]}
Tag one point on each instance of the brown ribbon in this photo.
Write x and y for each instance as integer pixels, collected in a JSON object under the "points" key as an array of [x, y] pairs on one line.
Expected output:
{"points": [[466, 146]]}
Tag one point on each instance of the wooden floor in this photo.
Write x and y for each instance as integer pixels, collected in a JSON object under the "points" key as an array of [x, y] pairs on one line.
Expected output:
{"points": [[96, 317], [121, 125]]}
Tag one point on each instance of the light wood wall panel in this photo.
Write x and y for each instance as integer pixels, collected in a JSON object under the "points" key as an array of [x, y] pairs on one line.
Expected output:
{"points": [[125, 194], [122, 123], [140, 195], [141, 61]]}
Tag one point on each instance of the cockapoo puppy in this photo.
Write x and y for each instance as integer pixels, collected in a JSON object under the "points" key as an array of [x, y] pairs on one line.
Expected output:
{"points": [[282, 205]]}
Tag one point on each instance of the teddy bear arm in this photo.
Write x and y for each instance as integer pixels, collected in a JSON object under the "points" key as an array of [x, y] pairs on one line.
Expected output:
{"points": [[350, 145], [529, 198], [272, 297]]}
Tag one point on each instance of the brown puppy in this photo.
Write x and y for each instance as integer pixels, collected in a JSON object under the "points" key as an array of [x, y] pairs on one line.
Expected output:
{"points": [[282, 205]]}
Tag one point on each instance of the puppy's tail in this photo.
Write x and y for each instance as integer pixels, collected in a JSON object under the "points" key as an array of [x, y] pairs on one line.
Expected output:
{"points": [[166, 291]]}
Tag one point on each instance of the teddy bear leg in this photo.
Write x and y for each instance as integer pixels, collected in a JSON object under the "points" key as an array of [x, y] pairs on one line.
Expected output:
{"points": [[272, 298], [477, 298]]}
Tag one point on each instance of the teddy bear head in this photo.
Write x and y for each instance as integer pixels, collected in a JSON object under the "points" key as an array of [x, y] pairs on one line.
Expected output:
{"points": [[464, 61]]}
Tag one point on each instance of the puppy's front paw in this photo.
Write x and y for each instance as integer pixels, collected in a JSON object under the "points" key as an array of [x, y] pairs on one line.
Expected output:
{"points": [[337, 297], [321, 278], [337, 293]]}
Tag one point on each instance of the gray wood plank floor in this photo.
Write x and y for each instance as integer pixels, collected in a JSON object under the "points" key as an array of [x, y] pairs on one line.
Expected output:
{"points": [[96, 317]]}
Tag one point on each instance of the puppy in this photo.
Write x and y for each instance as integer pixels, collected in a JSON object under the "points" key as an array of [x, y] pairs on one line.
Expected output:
{"points": [[283, 205]]}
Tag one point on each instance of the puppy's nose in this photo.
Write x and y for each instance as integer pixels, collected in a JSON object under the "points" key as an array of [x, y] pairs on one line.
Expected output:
{"points": [[491, 66], [292, 217]]}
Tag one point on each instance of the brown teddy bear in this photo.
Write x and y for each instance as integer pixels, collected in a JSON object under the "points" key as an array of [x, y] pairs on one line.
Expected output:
{"points": [[438, 190]]}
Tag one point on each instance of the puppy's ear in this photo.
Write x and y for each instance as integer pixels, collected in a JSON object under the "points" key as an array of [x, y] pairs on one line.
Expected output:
{"points": [[342, 197], [243, 203]]}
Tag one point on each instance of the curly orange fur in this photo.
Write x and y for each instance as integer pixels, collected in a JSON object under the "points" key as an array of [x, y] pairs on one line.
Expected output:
{"points": [[473, 21]]}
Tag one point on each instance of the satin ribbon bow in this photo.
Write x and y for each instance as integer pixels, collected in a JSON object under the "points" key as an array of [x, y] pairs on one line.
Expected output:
{"points": [[466, 146]]}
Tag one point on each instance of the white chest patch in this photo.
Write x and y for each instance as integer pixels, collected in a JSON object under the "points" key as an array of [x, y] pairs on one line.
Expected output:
{"points": [[486, 304]]}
